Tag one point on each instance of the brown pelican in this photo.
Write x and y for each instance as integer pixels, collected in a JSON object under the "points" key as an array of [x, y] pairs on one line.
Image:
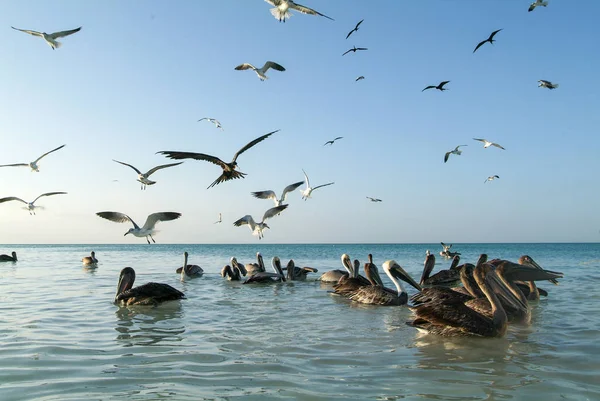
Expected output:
{"points": [[334, 276], [30, 205], [147, 230], [90, 260], [6, 258], [440, 86], [456, 151], [298, 273], [50, 38], [446, 252], [528, 291], [355, 28], [282, 7], [143, 177], [490, 39], [266, 277], [262, 71], [33, 165], [259, 266], [234, 273], [150, 294], [354, 49], [354, 280], [448, 277], [189, 271]]}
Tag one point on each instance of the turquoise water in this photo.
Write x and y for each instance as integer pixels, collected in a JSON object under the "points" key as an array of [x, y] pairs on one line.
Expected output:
{"points": [[62, 338]]}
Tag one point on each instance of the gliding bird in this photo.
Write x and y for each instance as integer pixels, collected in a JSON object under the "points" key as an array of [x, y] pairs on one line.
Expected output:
{"points": [[218, 221], [547, 84], [537, 3], [491, 178], [306, 192], [332, 141], [268, 194], [50, 38], [487, 144], [30, 205], [143, 178], [453, 152], [257, 228], [214, 121], [374, 199], [490, 39], [354, 49], [282, 7], [33, 165], [355, 29], [439, 87], [147, 230], [262, 70]]}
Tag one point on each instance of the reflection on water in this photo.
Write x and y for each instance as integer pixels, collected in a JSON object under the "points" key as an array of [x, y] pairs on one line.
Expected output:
{"points": [[144, 325]]}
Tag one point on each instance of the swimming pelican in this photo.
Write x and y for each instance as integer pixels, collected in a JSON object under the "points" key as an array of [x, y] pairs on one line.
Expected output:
{"points": [[295, 273], [50, 38], [347, 285], [33, 165], [268, 194], [234, 273], [487, 144], [189, 271], [332, 141], [150, 294], [229, 169], [308, 191], [453, 152], [530, 291], [547, 84], [355, 28], [6, 258], [219, 220], [491, 178], [90, 260], [447, 277], [490, 39], [354, 49], [257, 228], [30, 205], [262, 71], [143, 177], [374, 199], [253, 268], [439, 87], [214, 121], [147, 230], [537, 3], [266, 277], [282, 7]]}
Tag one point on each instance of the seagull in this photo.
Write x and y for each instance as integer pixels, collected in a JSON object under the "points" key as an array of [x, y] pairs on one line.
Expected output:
{"points": [[143, 178], [262, 70], [229, 169], [354, 49], [454, 152], [218, 221], [30, 205], [537, 3], [491, 178], [214, 121], [487, 144], [360, 78], [547, 84], [148, 229], [490, 39], [50, 38], [268, 194], [355, 29], [332, 141], [306, 192], [440, 86], [33, 165], [281, 10], [257, 228], [374, 199]]}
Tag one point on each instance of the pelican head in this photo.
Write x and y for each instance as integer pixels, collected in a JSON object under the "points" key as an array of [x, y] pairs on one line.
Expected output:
{"points": [[428, 267], [276, 263], [395, 270], [126, 280]]}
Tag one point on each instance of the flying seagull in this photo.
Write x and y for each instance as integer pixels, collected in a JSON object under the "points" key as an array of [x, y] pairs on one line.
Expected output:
{"points": [[33, 165], [453, 152], [281, 10], [229, 169], [374, 199], [355, 29], [50, 38], [148, 229], [218, 221], [490, 39], [491, 178], [30, 205], [359, 78], [214, 121], [257, 228], [547, 84], [487, 144], [262, 70], [354, 49], [268, 194], [332, 141], [143, 178], [439, 87], [537, 3], [308, 191]]}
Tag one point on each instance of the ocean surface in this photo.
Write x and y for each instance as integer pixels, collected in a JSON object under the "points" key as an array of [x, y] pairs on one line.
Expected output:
{"points": [[62, 338]]}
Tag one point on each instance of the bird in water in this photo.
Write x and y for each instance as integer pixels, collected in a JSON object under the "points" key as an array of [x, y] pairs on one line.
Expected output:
{"points": [[143, 177], [90, 260], [34, 164], [147, 230], [456, 152], [537, 3], [268, 194], [257, 228], [439, 87], [354, 50], [214, 121], [7, 258], [295, 273], [308, 190], [267, 277], [189, 271], [262, 71], [490, 39], [547, 84], [31, 205], [332, 141], [491, 178], [149, 294], [355, 28], [50, 38], [282, 7], [487, 144]]}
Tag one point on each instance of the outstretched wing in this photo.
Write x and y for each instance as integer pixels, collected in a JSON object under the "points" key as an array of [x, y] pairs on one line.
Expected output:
{"points": [[14, 165], [479, 45], [274, 211], [447, 156], [173, 154], [247, 219], [441, 85], [480, 140], [245, 66], [265, 195], [12, 198], [202, 119], [254, 142], [152, 171], [34, 33], [347, 51], [49, 194], [125, 164], [61, 34], [306, 179], [324, 185], [307, 10], [273, 65], [498, 146], [493, 34], [117, 217], [428, 87], [160, 216], [47, 153], [290, 188]]}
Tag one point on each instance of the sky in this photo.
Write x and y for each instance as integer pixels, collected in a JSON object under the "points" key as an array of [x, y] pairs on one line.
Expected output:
{"points": [[139, 74]]}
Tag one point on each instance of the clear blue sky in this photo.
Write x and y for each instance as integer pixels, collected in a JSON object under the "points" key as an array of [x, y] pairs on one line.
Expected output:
{"points": [[139, 75]]}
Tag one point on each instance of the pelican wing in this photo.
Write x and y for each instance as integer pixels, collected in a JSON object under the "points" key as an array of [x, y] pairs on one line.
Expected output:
{"points": [[274, 211], [265, 195], [323, 185], [152, 171], [47, 153], [160, 216], [290, 188], [34, 33], [14, 165], [125, 164], [254, 142], [245, 66], [61, 34], [190, 155], [12, 198], [117, 217], [273, 65], [49, 194], [307, 10]]}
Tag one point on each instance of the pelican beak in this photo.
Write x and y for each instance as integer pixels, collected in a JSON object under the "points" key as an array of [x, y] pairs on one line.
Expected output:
{"points": [[429, 264], [125, 283], [372, 273], [528, 261], [400, 273], [526, 273]]}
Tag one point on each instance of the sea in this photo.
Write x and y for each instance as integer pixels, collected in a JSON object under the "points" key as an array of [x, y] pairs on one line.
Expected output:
{"points": [[63, 338]]}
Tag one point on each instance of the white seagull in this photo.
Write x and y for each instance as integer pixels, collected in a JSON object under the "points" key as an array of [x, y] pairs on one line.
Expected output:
{"points": [[143, 177], [30, 205], [282, 7], [537, 3], [308, 191], [148, 229], [487, 144], [547, 84], [262, 70], [50, 38], [218, 221], [257, 228], [491, 178], [214, 121], [33, 165], [453, 152], [374, 199], [268, 194]]}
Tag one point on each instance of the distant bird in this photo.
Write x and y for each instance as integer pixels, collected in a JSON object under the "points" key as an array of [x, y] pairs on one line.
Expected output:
{"points": [[547, 84], [487, 144], [308, 191], [33, 165], [257, 228], [439, 87], [332, 141], [9, 258], [282, 7], [360, 78], [490, 39], [50, 38], [453, 152], [143, 178], [268, 194], [218, 221], [491, 178], [30, 205], [148, 229], [262, 70], [189, 271], [229, 169], [90, 260], [536, 4], [355, 29], [374, 199], [354, 49], [149, 294], [214, 121]]}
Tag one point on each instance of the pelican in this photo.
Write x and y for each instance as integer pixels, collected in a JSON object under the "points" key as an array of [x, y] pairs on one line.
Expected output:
{"points": [[219, 220], [268, 194], [456, 152], [537, 3], [6, 258], [490, 39], [143, 177], [333, 140], [531, 292], [298, 273], [443, 277], [233, 273], [150, 294], [348, 284], [214, 121], [261, 72], [308, 191], [33, 165], [374, 199], [259, 266], [354, 49], [282, 7], [30, 205], [90, 260], [439, 87], [547, 84], [50, 38], [147, 230], [360, 78], [257, 228], [189, 271], [491, 178], [487, 144], [266, 277], [229, 169], [355, 28]]}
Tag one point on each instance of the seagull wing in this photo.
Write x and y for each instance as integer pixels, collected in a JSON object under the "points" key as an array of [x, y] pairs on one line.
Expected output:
{"points": [[447, 156], [117, 217], [498, 146], [160, 216], [12, 198], [372, 199], [339, 137], [190, 155], [350, 33], [34, 33], [274, 211], [245, 66], [362, 48], [323, 185], [204, 118], [254, 142], [273, 65], [247, 219], [290, 188], [14, 165], [307, 10], [480, 140], [265, 195], [152, 171], [428, 87], [306, 179], [47, 153], [125, 164], [61, 34], [532, 7], [48, 194]]}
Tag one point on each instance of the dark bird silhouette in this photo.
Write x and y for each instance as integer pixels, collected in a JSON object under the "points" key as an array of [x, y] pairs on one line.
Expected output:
{"points": [[439, 87], [490, 39], [354, 49], [355, 29], [374, 199], [359, 78], [537, 3], [332, 141]]}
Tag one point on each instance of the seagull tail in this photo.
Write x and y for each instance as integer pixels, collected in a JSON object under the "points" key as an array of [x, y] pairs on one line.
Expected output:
{"points": [[54, 44], [279, 15], [544, 3]]}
